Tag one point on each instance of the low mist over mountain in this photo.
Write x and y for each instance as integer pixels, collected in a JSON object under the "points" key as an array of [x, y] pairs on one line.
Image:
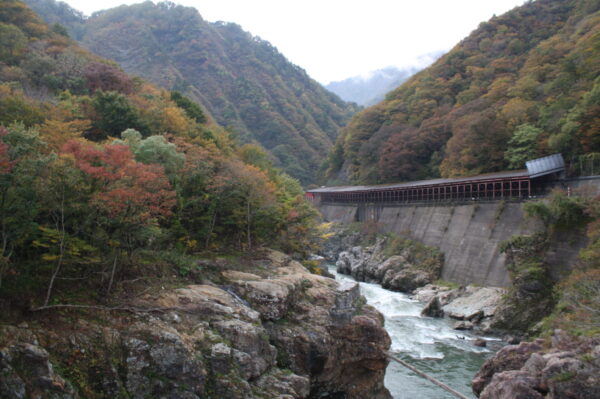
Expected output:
{"points": [[524, 84], [242, 81], [371, 88]]}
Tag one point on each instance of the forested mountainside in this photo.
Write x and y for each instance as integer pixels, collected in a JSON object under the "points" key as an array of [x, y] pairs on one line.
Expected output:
{"points": [[102, 174], [522, 85], [371, 89], [241, 80]]}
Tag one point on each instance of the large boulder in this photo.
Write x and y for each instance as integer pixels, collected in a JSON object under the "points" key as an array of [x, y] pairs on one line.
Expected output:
{"points": [[511, 357], [475, 302], [513, 384], [406, 280]]}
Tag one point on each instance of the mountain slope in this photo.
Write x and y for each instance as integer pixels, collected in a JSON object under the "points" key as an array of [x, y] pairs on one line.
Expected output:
{"points": [[522, 85], [241, 80]]}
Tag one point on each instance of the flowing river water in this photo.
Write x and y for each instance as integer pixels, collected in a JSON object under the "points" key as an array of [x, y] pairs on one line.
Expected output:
{"points": [[429, 344]]}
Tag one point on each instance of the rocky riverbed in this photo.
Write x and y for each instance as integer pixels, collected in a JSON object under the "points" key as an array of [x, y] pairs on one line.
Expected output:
{"points": [[269, 329]]}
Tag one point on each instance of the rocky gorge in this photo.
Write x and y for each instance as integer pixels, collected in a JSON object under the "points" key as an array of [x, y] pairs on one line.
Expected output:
{"points": [[556, 365], [267, 329], [401, 264]]}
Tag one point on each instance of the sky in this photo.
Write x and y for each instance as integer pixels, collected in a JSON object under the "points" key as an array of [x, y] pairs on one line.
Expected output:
{"points": [[336, 39]]}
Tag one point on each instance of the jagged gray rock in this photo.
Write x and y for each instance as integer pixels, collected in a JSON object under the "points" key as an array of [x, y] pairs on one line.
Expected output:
{"points": [[433, 308], [394, 272]]}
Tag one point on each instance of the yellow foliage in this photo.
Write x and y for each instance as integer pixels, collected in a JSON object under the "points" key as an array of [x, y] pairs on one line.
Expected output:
{"points": [[518, 111], [57, 133], [324, 230], [174, 120], [499, 87]]}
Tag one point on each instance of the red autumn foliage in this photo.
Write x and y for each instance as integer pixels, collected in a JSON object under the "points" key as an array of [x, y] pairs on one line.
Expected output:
{"points": [[127, 188], [101, 76]]}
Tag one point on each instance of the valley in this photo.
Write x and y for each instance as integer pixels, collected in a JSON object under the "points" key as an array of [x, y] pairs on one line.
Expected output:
{"points": [[185, 213]]}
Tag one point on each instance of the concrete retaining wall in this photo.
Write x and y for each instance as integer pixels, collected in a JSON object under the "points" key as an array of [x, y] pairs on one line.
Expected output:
{"points": [[469, 235]]}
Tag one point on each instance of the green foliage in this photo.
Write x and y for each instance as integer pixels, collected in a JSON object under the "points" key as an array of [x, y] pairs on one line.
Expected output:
{"points": [[184, 264], [559, 212], [154, 150], [115, 114], [445, 283], [19, 201], [254, 154], [12, 42], [192, 109], [522, 146], [60, 30], [16, 108], [76, 250]]}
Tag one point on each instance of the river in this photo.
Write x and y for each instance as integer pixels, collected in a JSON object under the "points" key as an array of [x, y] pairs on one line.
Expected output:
{"points": [[429, 344]]}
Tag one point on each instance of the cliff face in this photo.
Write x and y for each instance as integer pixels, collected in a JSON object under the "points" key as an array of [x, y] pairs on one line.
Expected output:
{"points": [[271, 330]]}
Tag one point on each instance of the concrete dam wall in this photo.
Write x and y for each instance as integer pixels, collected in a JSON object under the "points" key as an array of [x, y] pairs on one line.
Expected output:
{"points": [[469, 235]]}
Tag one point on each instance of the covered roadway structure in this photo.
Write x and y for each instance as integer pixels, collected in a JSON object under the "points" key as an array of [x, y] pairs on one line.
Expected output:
{"points": [[520, 184]]}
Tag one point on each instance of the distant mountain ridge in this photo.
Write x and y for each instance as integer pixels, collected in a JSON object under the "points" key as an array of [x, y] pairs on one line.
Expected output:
{"points": [[369, 89], [242, 81]]}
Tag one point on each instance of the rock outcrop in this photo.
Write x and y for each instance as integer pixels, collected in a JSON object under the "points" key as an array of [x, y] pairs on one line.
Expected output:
{"points": [[273, 330], [397, 272], [561, 367], [26, 371], [433, 308]]}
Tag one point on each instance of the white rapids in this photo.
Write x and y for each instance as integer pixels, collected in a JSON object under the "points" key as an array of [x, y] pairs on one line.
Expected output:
{"points": [[429, 344]]}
